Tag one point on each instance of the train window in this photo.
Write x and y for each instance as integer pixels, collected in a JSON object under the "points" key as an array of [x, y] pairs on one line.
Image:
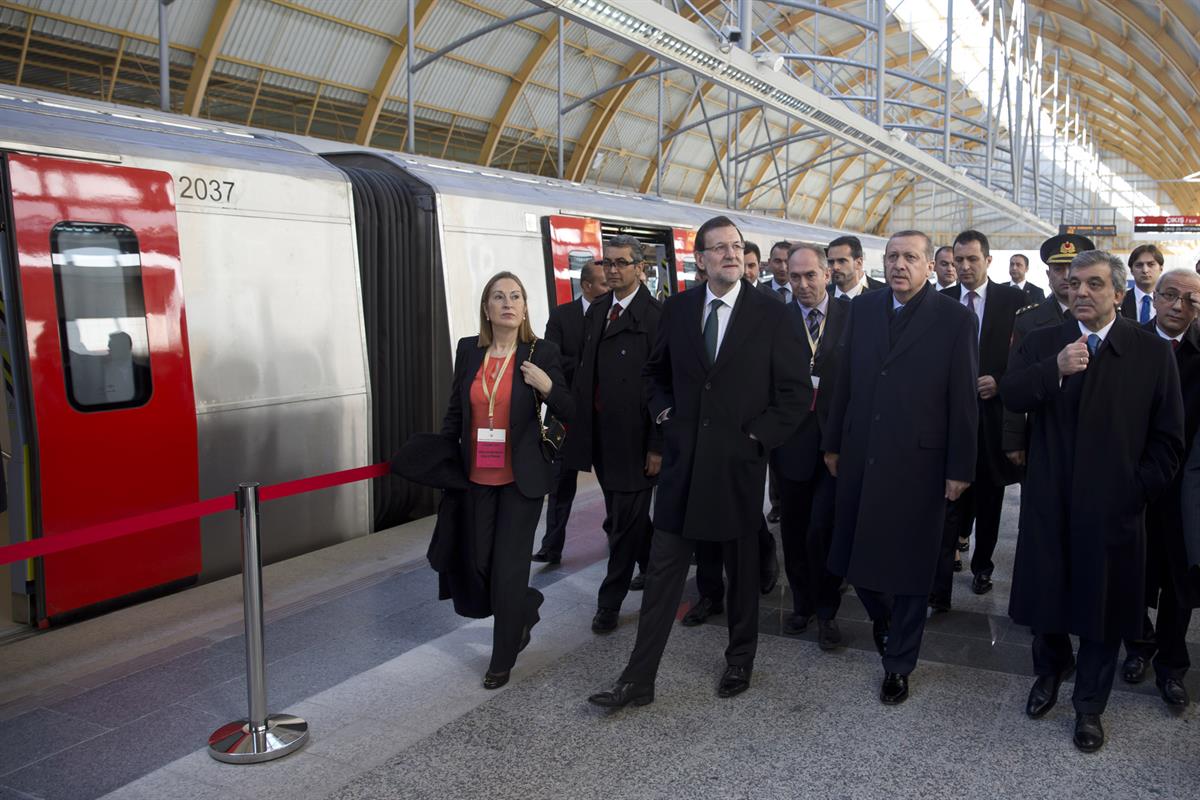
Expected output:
{"points": [[101, 315]]}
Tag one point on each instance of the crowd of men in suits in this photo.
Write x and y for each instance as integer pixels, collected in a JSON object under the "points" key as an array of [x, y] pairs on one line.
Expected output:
{"points": [[892, 416]]}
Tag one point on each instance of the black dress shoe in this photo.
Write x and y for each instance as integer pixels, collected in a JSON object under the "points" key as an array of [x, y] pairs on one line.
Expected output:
{"points": [[624, 693], [735, 681], [545, 556], [494, 680], [698, 613], [1044, 693], [796, 624], [638, 583], [773, 517], [1174, 693], [829, 635], [964, 545], [769, 570], [1134, 670], [981, 584], [605, 620], [894, 690], [1089, 733], [879, 631], [939, 603]]}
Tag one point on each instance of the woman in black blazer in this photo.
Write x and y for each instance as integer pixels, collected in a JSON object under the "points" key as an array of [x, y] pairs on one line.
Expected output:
{"points": [[492, 415]]}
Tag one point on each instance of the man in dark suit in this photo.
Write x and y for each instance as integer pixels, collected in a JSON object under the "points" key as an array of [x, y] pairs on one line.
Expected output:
{"points": [[845, 258], [612, 430], [805, 485], [1106, 437], [1145, 267], [565, 329], [728, 383], [1018, 268], [1169, 587], [994, 307], [901, 441]]}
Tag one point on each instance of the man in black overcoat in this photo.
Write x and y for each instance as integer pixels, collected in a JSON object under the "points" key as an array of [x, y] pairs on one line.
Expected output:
{"points": [[901, 440], [612, 430], [806, 488], [727, 381], [1106, 437], [565, 329], [1169, 587], [995, 306]]}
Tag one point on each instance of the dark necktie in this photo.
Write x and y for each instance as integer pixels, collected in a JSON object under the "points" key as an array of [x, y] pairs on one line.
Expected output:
{"points": [[814, 324], [1093, 342], [1144, 316], [710, 331]]}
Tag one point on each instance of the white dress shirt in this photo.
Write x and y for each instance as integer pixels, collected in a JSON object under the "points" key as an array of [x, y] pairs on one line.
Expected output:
{"points": [[724, 311]]}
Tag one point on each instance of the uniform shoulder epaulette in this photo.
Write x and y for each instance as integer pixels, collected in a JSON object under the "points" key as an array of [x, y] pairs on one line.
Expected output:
{"points": [[1029, 307]]}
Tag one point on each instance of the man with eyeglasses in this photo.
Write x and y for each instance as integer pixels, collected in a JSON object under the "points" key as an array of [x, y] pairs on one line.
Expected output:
{"points": [[612, 430], [1145, 265], [728, 383], [1106, 436], [565, 329], [1170, 587]]}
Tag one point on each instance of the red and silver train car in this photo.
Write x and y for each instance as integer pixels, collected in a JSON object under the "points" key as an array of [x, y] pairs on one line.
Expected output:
{"points": [[187, 305]]}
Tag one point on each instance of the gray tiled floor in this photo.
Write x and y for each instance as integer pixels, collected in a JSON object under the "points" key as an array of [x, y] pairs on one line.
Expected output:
{"points": [[389, 681]]}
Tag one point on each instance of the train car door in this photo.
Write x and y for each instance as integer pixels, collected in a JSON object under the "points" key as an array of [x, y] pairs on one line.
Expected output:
{"points": [[113, 422], [571, 243]]}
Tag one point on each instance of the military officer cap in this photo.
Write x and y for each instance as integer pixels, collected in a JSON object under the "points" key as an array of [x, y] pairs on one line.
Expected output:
{"points": [[1063, 248]]}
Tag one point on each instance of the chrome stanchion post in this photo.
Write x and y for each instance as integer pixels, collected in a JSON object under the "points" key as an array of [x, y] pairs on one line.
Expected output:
{"points": [[262, 736]]}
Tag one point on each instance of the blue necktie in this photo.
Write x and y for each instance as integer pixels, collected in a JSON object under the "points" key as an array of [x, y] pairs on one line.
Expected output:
{"points": [[1093, 344], [1144, 317], [710, 331]]}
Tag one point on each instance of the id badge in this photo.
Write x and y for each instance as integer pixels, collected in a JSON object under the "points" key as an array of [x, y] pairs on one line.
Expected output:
{"points": [[489, 448], [816, 383]]}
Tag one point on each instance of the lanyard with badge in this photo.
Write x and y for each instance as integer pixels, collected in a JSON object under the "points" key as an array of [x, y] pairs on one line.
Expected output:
{"points": [[813, 344], [489, 442]]}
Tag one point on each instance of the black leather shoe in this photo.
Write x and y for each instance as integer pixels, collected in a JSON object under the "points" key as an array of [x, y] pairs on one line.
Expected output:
{"points": [[605, 620], [623, 693], [1089, 733], [638, 583], [964, 545], [1174, 693], [1134, 670], [768, 576], [829, 635], [735, 681], [796, 624], [894, 690], [1044, 693], [939, 603], [879, 631], [545, 556], [698, 613], [494, 680], [981, 584], [773, 517]]}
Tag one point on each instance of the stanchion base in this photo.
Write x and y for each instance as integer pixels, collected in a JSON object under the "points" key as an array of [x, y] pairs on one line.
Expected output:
{"points": [[236, 743]]}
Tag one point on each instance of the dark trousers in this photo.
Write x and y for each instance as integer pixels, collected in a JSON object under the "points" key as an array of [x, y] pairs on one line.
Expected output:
{"points": [[628, 532], [505, 521], [558, 507], [806, 530], [1096, 665], [905, 617], [709, 562], [670, 558]]}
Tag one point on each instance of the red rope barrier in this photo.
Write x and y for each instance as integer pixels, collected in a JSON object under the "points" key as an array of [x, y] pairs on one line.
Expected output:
{"points": [[104, 531]]}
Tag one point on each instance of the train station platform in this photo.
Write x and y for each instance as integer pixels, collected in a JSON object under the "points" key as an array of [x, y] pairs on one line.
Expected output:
{"points": [[388, 678]]}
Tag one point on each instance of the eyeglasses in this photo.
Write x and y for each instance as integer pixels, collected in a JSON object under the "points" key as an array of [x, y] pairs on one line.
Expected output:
{"points": [[726, 247], [619, 263], [1172, 297]]}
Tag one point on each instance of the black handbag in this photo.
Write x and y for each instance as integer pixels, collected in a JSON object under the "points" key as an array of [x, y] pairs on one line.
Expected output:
{"points": [[553, 431]]}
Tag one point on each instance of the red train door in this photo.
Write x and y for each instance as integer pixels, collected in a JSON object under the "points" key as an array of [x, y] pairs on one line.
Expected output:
{"points": [[114, 417], [571, 242]]}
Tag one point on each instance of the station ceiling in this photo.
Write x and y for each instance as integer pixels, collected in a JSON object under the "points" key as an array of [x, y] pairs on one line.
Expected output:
{"points": [[338, 69]]}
